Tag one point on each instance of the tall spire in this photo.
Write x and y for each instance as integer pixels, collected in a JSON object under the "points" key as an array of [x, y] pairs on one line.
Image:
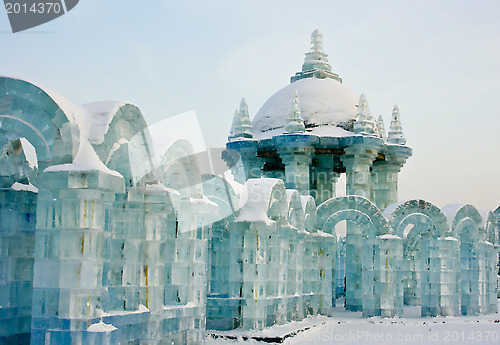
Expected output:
{"points": [[241, 127], [295, 123], [364, 123], [317, 42], [381, 128], [316, 62], [396, 135]]}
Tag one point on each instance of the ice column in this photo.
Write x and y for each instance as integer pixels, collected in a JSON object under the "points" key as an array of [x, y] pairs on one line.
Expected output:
{"points": [[384, 176], [73, 224], [255, 264], [382, 287], [469, 276], [357, 160], [17, 242], [241, 148], [326, 178], [296, 153], [450, 277], [440, 276]]}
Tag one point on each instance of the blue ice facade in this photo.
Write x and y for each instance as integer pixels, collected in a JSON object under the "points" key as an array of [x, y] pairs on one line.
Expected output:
{"points": [[102, 244], [97, 245]]}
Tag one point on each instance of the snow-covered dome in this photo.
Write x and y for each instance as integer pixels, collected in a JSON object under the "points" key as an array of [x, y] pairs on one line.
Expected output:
{"points": [[328, 108]]}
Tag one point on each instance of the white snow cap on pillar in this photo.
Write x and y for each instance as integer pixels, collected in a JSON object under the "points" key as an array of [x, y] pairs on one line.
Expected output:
{"points": [[295, 123], [364, 123], [396, 135], [242, 126]]}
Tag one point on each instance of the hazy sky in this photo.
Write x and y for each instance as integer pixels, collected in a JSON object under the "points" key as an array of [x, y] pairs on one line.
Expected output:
{"points": [[439, 61]]}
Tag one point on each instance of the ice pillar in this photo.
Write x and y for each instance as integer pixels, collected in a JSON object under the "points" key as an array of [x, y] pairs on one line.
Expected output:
{"points": [[17, 239], [326, 178], [358, 160], [296, 153], [73, 226], [243, 154], [384, 177], [382, 287]]}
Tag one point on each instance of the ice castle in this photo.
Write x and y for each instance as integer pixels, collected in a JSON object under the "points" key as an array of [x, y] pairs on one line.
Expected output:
{"points": [[102, 244]]}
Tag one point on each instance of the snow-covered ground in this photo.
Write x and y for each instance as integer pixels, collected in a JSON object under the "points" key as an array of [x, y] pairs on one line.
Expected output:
{"points": [[351, 328]]}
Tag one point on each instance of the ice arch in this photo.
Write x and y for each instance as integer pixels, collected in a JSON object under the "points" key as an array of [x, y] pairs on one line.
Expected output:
{"points": [[44, 118], [309, 208], [295, 211], [365, 223], [424, 216], [179, 169], [421, 225], [465, 224], [490, 227], [113, 124], [356, 209]]}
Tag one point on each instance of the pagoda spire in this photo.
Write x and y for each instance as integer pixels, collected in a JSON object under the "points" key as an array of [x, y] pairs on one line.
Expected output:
{"points": [[316, 62], [364, 123], [241, 126], [396, 135], [381, 128], [317, 42], [295, 123]]}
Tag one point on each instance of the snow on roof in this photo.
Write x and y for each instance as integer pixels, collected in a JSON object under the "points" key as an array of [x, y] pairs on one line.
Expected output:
{"points": [[101, 327], [320, 233], [259, 196], [389, 236], [86, 159], [100, 116], [24, 187], [323, 103]]}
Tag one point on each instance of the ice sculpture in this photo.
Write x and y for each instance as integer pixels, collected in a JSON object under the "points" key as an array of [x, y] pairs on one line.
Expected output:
{"points": [[115, 255], [100, 244]]}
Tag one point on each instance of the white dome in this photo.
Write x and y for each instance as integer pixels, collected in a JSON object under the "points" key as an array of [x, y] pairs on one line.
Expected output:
{"points": [[325, 104]]}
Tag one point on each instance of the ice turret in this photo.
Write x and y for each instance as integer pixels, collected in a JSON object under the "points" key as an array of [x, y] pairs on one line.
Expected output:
{"points": [[241, 127], [396, 135], [295, 123], [381, 128], [316, 62], [364, 122]]}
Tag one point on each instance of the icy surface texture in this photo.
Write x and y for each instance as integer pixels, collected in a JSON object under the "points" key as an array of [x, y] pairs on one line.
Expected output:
{"points": [[118, 252], [276, 271], [17, 242], [126, 250]]}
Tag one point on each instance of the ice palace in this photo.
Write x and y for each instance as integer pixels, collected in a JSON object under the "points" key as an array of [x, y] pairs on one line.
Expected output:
{"points": [[102, 244]]}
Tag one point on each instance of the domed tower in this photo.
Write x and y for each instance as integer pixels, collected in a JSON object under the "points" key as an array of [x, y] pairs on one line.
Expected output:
{"points": [[313, 130]]}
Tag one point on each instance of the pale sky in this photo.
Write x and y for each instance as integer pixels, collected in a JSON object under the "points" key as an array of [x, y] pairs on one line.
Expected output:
{"points": [[439, 61]]}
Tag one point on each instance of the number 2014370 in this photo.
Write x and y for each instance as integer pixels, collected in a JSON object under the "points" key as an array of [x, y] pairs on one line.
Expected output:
{"points": [[40, 7]]}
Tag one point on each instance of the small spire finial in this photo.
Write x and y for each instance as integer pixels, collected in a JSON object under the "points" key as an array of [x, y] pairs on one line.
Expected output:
{"points": [[242, 126], [295, 123], [316, 62], [317, 41], [381, 128], [364, 123], [396, 135]]}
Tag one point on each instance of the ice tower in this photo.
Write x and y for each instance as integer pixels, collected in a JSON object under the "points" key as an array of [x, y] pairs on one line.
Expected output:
{"points": [[102, 244], [329, 131]]}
